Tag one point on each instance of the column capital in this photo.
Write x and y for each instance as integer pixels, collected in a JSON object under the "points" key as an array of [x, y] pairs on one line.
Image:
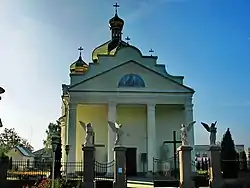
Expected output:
{"points": [[189, 107], [112, 104], [72, 105], [151, 106]]}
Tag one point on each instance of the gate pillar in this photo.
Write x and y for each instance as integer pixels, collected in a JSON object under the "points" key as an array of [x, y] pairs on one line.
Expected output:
{"points": [[185, 166]]}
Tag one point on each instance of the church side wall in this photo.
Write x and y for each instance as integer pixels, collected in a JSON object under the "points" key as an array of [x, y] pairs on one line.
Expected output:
{"points": [[134, 121], [167, 120], [97, 116]]}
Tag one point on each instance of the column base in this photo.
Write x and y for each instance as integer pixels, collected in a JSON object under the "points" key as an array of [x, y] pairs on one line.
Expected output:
{"points": [[187, 184], [216, 183]]}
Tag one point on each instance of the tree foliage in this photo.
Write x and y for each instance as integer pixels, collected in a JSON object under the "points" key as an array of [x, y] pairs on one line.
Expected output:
{"points": [[49, 132], [229, 156], [9, 138]]}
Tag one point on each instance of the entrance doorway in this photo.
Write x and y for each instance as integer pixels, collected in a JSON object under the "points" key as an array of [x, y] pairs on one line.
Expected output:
{"points": [[131, 162]]}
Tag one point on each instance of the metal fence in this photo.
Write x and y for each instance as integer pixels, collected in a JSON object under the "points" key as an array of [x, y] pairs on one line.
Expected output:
{"points": [[25, 169], [104, 171]]}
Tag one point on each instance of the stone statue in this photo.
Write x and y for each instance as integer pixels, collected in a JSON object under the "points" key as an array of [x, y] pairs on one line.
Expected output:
{"points": [[184, 132], [212, 130], [88, 133], [117, 129]]}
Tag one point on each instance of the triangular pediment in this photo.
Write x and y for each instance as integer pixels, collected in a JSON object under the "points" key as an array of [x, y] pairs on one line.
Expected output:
{"points": [[109, 80]]}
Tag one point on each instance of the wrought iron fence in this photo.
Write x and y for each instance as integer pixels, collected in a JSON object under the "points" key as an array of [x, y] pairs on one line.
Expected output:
{"points": [[166, 169], [104, 171], [24, 169]]}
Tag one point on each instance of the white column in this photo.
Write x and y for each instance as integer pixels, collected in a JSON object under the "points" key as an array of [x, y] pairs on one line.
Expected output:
{"points": [[111, 134], [151, 135], [189, 119], [71, 136]]}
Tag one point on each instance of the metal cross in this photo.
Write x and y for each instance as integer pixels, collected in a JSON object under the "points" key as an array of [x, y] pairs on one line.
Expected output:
{"points": [[80, 49], [116, 7], [127, 39], [151, 51]]}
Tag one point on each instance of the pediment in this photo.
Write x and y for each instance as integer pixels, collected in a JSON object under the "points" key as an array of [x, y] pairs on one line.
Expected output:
{"points": [[109, 80]]}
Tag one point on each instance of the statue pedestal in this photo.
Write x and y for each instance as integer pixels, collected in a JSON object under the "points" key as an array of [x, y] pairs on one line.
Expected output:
{"points": [[185, 166], [120, 167], [89, 166], [215, 167]]}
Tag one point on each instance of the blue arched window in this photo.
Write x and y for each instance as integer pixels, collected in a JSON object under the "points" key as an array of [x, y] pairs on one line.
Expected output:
{"points": [[131, 80]]}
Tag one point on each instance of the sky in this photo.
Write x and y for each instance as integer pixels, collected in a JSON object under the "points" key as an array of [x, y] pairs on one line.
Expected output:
{"points": [[207, 41]]}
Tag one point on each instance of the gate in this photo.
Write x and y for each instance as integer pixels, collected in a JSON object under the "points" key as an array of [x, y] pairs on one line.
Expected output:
{"points": [[104, 171], [166, 172]]}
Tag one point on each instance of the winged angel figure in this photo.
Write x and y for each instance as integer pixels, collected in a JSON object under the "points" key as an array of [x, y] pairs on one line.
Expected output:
{"points": [[184, 132], [89, 133], [117, 129], [212, 130]]}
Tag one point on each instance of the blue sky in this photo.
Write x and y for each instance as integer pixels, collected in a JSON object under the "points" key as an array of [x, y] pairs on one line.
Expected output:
{"points": [[207, 41]]}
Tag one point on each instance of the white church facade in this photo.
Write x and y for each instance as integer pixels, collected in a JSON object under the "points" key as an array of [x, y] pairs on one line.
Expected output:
{"points": [[123, 85]]}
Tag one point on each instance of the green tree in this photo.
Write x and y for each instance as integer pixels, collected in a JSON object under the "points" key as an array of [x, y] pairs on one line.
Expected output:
{"points": [[9, 138], [229, 162], [49, 132]]}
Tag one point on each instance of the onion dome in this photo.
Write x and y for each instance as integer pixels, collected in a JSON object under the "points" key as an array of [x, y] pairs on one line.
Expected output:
{"points": [[116, 22], [79, 66]]}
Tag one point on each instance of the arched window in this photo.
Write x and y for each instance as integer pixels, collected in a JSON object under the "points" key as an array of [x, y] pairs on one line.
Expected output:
{"points": [[131, 80]]}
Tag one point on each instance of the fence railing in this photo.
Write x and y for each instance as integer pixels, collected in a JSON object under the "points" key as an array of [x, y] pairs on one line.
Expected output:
{"points": [[25, 169]]}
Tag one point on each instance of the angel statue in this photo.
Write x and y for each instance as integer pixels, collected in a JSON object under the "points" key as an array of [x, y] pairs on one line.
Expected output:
{"points": [[117, 129], [184, 132], [89, 133], [212, 130]]}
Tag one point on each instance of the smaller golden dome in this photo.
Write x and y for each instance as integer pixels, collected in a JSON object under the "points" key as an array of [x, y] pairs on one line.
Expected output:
{"points": [[79, 66]]}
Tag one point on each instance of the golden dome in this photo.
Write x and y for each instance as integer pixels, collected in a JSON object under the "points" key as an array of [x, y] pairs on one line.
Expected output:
{"points": [[107, 49], [79, 66]]}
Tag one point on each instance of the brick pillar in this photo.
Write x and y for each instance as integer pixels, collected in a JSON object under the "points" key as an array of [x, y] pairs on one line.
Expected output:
{"points": [[120, 180], [89, 166], [185, 167], [215, 167]]}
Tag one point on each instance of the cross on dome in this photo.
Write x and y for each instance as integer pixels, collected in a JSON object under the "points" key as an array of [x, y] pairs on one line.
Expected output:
{"points": [[116, 7], [80, 49], [151, 51], [127, 39]]}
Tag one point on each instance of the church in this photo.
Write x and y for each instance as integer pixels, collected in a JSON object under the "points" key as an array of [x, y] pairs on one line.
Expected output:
{"points": [[123, 85]]}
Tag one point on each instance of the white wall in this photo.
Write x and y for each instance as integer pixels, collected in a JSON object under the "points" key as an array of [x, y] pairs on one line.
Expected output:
{"points": [[168, 119], [134, 120], [97, 116]]}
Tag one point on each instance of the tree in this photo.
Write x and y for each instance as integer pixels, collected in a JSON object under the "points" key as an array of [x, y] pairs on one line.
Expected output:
{"points": [[47, 142], [9, 138], [229, 162]]}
